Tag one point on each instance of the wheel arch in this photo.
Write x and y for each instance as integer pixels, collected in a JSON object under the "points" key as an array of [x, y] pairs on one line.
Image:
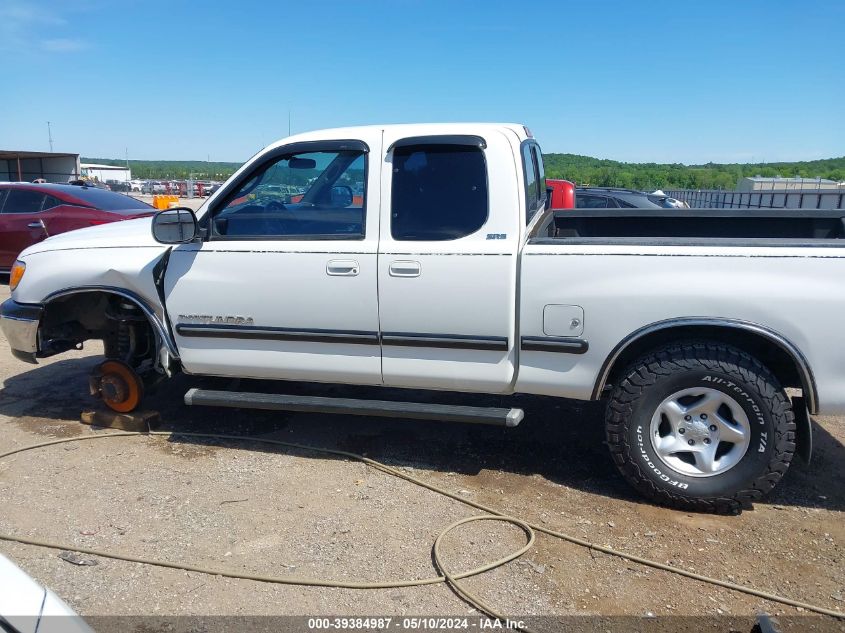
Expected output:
{"points": [[165, 341], [779, 354]]}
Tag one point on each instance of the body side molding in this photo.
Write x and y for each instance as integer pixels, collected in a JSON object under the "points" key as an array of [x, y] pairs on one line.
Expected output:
{"points": [[354, 337], [222, 330], [448, 341], [557, 344]]}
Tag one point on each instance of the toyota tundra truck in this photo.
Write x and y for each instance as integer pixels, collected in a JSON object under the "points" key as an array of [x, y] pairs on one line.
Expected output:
{"points": [[424, 257]]}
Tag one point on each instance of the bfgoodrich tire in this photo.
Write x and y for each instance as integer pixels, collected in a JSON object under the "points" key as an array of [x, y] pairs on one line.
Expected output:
{"points": [[700, 426]]}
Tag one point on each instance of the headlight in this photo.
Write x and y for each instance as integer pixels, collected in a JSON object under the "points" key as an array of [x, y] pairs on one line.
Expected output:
{"points": [[17, 274]]}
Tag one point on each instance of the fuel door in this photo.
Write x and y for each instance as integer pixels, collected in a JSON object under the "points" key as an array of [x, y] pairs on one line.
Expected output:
{"points": [[563, 320]]}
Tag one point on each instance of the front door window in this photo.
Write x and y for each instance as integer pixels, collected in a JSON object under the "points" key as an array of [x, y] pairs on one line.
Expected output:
{"points": [[314, 195]]}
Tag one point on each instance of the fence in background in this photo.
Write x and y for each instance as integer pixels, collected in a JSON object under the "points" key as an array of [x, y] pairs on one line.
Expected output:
{"points": [[776, 199]]}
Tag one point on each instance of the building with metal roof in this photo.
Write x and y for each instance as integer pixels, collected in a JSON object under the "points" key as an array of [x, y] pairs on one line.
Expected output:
{"points": [[776, 183], [25, 166], [104, 173]]}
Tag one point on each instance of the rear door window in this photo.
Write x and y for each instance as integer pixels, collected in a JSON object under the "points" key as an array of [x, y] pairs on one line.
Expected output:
{"points": [[532, 183], [439, 192], [109, 201], [23, 201], [535, 178], [50, 202], [541, 171]]}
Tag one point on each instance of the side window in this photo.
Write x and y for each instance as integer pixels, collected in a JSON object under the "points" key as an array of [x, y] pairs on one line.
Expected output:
{"points": [[532, 181], [439, 192], [535, 179], [590, 202], [50, 202], [3, 193], [313, 195], [23, 201], [541, 174]]}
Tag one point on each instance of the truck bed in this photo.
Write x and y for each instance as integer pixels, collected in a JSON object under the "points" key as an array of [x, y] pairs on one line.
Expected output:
{"points": [[746, 227]]}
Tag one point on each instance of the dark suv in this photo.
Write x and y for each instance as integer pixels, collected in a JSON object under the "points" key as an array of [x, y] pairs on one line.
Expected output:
{"points": [[610, 198]]}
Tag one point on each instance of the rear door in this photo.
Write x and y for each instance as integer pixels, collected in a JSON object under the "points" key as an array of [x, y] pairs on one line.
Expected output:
{"points": [[20, 223], [447, 261]]}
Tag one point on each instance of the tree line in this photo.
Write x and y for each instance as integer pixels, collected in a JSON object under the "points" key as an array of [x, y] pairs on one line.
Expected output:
{"points": [[583, 170]]}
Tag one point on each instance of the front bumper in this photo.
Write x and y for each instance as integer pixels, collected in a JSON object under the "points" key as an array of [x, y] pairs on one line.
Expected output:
{"points": [[19, 323]]}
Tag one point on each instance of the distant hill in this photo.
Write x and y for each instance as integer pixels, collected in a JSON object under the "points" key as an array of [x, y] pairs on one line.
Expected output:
{"points": [[650, 176], [581, 169]]}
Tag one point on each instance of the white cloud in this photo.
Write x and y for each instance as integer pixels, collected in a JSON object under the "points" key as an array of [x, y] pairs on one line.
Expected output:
{"points": [[63, 45], [22, 22], [17, 14]]}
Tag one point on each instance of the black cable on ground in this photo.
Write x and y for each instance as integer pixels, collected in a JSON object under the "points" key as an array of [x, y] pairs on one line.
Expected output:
{"points": [[450, 577]]}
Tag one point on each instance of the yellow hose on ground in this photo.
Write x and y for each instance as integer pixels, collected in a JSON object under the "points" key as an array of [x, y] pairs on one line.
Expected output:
{"points": [[451, 578]]}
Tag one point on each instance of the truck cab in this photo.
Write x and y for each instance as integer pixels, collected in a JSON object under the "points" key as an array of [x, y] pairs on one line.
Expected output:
{"points": [[339, 287]]}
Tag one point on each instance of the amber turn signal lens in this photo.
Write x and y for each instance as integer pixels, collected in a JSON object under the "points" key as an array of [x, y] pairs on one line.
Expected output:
{"points": [[16, 275]]}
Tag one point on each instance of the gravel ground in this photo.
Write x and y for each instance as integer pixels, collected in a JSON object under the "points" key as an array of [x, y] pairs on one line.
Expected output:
{"points": [[268, 510]]}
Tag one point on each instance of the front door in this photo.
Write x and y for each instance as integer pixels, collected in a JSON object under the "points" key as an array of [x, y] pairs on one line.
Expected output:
{"points": [[447, 262], [284, 285]]}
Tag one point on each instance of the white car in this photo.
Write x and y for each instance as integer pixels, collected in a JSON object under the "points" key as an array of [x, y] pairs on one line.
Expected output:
{"points": [[153, 187], [27, 607], [422, 256]]}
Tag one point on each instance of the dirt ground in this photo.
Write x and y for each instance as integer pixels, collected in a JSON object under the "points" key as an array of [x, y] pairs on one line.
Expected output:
{"points": [[262, 510]]}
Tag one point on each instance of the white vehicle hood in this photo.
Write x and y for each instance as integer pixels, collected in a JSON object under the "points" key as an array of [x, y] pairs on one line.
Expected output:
{"points": [[125, 233]]}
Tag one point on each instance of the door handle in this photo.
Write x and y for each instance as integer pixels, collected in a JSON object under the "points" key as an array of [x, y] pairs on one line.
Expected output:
{"points": [[342, 268], [39, 224], [405, 269]]}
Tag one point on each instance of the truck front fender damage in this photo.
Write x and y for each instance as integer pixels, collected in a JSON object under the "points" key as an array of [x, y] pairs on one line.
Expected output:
{"points": [[78, 314], [102, 311], [165, 358]]}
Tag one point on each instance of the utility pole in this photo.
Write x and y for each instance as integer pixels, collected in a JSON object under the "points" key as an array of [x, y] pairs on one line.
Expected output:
{"points": [[50, 136]]}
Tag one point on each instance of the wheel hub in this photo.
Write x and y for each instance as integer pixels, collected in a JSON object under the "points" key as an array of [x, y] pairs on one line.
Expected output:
{"points": [[113, 388], [700, 432], [696, 430], [120, 387]]}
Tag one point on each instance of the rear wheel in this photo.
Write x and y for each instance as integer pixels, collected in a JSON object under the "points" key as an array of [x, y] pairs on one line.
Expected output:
{"points": [[700, 426]]}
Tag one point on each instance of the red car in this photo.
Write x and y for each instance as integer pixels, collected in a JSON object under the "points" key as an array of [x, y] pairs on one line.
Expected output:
{"points": [[30, 213]]}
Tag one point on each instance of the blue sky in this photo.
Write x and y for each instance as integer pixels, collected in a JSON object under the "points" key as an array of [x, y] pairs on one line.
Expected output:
{"points": [[665, 81]]}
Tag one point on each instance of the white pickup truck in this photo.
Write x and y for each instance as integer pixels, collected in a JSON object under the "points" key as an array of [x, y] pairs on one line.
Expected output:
{"points": [[423, 256]]}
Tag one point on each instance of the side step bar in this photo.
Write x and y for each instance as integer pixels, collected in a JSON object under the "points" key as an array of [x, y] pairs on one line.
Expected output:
{"points": [[349, 406]]}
